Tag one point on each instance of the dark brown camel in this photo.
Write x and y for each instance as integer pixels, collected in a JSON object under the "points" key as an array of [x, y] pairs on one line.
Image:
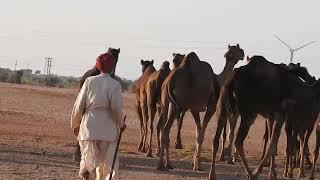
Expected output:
{"points": [[301, 123], [297, 120], [264, 88], [93, 72], [316, 149], [141, 97], [191, 86]]}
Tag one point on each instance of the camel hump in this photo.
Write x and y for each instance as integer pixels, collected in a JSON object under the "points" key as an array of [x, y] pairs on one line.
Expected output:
{"points": [[190, 60], [257, 59], [165, 66]]}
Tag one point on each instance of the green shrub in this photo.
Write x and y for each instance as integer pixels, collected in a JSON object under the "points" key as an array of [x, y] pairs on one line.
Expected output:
{"points": [[15, 77]]}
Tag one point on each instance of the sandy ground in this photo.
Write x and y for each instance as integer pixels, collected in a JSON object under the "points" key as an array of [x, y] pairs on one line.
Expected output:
{"points": [[36, 141]]}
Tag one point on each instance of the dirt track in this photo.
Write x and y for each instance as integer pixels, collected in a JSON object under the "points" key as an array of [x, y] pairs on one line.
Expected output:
{"points": [[36, 141]]}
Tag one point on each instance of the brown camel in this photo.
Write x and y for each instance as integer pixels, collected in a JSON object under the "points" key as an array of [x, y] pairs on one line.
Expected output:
{"points": [[152, 89], [264, 88], [192, 86], [93, 72], [177, 60], [141, 97]]}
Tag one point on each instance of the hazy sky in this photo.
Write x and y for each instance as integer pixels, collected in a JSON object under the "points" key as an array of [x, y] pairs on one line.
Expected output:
{"points": [[75, 32]]}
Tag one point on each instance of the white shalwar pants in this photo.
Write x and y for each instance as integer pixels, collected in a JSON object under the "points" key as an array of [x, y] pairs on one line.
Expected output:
{"points": [[96, 158]]}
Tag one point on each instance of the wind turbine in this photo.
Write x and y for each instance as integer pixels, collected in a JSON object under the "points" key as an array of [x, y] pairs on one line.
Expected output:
{"points": [[291, 49]]}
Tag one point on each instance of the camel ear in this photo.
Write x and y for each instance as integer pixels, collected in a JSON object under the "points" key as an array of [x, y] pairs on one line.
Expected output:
{"points": [[109, 48], [248, 59], [118, 50], [229, 46], [152, 61], [142, 62], [238, 46], [174, 54]]}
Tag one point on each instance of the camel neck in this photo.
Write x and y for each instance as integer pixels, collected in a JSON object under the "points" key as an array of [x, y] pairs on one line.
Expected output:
{"points": [[228, 67]]}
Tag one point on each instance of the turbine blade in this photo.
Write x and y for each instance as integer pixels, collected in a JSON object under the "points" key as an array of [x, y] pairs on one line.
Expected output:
{"points": [[304, 45], [282, 42]]}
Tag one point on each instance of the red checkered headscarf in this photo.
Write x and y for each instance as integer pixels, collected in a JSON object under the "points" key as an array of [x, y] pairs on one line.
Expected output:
{"points": [[105, 63]]}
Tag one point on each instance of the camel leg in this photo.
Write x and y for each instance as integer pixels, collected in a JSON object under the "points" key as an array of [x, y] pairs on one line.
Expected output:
{"points": [[139, 111], [221, 116], [270, 123], [200, 138], [173, 113], [144, 109], [265, 138], [165, 141], [315, 152], [232, 126], [302, 152], [245, 124], [296, 155], [289, 148], [159, 128], [162, 140], [178, 144], [308, 162], [224, 136], [273, 173], [151, 114], [196, 155], [273, 143]]}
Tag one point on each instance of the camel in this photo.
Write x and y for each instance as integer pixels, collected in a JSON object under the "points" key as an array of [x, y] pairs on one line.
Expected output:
{"points": [[264, 88], [152, 89], [177, 60], [302, 72], [298, 117], [141, 97], [301, 123], [316, 149], [93, 72], [192, 86]]}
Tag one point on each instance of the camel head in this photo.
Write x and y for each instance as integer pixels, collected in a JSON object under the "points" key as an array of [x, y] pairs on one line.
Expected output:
{"points": [[302, 72], [234, 53], [146, 64], [165, 65], [177, 59], [115, 53]]}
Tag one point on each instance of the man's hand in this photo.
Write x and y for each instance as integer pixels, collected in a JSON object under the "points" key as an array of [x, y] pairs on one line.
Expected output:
{"points": [[76, 131]]}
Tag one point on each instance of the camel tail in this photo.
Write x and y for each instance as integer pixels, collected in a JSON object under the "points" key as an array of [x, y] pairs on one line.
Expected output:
{"points": [[170, 93], [227, 93]]}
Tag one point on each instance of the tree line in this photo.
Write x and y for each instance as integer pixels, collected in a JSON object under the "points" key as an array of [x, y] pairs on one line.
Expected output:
{"points": [[28, 76]]}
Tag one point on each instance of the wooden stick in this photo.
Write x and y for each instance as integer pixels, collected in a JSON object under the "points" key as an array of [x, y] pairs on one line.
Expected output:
{"points": [[116, 152]]}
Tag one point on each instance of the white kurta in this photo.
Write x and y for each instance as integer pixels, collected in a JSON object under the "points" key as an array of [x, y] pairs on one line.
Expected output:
{"points": [[98, 113], [98, 109]]}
